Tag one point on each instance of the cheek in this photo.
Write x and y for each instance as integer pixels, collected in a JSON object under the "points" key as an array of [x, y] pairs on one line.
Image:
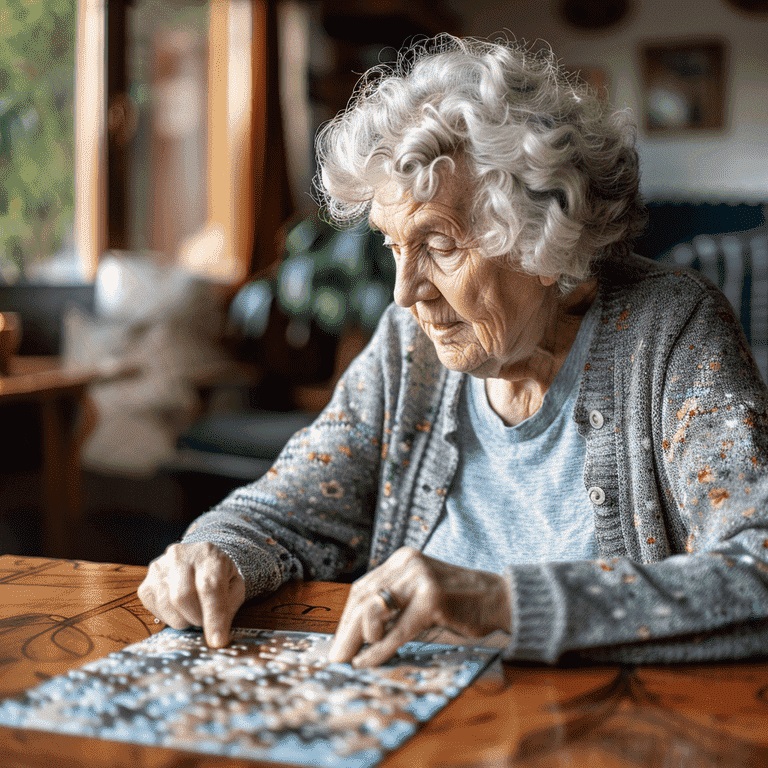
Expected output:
{"points": [[493, 319], [480, 290], [488, 335], [466, 292]]}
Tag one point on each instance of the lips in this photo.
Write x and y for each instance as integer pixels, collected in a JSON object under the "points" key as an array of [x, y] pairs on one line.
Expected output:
{"points": [[441, 331], [436, 322]]}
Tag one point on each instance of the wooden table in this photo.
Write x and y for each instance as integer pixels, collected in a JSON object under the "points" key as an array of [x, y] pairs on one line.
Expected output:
{"points": [[60, 394], [57, 614]]}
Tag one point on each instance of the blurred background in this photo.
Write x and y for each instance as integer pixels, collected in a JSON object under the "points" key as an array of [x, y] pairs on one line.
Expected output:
{"points": [[158, 235]]}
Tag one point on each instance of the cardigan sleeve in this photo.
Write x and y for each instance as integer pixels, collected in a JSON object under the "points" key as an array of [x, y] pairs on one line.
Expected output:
{"points": [[310, 516], [708, 599]]}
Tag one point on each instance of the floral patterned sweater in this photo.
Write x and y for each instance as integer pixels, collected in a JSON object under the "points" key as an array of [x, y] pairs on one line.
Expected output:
{"points": [[675, 417]]}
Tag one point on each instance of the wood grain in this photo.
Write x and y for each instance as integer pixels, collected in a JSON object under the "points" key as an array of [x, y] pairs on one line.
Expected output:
{"points": [[57, 614]]}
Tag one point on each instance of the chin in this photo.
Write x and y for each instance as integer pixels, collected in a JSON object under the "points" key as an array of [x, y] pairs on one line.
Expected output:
{"points": [[465, 363]]}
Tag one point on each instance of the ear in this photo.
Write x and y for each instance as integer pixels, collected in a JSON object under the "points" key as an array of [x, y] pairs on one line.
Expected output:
{"points": [[548, 280]]}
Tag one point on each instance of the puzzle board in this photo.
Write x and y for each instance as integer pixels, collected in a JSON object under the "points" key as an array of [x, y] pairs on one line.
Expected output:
{"points": [[270, 696]]}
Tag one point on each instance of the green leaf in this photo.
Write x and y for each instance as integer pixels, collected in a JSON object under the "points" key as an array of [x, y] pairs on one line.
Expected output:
{"points": [[37, 56]]}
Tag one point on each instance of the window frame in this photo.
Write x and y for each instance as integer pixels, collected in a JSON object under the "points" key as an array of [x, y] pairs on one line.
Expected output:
{"points": [[101, 159]]}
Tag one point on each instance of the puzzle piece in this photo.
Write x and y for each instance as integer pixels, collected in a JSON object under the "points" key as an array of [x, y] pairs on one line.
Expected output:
{"points": [[269, 696]]}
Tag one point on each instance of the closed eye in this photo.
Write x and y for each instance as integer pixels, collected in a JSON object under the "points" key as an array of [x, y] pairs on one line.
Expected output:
{"points": [[440, 243], [394, 247], [442, 249]]}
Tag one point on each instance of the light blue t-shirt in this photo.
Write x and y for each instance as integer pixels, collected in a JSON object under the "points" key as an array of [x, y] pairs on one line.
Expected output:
{"points": [[518, 495]]}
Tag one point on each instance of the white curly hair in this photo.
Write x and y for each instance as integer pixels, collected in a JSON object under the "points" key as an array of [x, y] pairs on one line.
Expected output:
{"points": [[555, 168]]}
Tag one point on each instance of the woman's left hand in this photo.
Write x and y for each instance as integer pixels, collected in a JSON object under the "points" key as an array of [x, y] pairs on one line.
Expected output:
{"points": [[422, 593]]}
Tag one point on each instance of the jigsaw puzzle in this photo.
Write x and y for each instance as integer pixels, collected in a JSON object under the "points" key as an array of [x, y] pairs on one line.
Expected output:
{"points": [[269, 696]]}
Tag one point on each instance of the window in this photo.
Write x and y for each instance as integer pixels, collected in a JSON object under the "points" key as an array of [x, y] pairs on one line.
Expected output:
{"points": [[37, 92], [179, 132], [124, 124], [157, 120], [155, 125]]}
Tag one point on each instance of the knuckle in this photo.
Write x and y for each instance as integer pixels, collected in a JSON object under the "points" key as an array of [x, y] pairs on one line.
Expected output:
{"points": [[179, 591], [210, 582], [173, 552], [419, 571], [176, 622], [430, 594], [147, 597], [406, 554], [209, 550]]}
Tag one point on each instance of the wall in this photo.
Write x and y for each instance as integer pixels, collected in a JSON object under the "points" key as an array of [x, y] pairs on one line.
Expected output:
{"points": [[731, 165]]}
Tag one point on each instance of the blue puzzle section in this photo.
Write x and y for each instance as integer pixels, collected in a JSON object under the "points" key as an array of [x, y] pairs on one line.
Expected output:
{"points": [[270, 696]]}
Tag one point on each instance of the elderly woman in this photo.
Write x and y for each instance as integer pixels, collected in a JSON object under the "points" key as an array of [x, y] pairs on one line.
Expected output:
{"points": [[547, 435]]}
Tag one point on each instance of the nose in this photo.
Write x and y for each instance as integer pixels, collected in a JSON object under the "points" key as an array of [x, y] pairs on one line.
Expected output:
{"points": [[412, 284]]}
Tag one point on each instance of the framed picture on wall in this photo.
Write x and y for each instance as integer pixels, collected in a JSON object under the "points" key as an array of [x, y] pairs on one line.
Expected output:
{"points": [[683, 85]]}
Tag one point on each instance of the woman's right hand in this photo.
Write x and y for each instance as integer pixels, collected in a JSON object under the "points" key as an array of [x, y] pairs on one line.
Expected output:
{"points": [[195, 585]]}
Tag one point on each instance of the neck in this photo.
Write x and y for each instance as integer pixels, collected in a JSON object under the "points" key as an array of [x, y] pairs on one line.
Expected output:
{"points": [[518, 390]]}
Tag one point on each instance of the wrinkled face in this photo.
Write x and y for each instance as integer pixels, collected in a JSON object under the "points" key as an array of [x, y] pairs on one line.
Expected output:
{"points": [[482, 315]]}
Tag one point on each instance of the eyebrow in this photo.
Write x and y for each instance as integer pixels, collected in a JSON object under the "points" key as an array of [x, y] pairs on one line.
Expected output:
{"points": [[422, 228]]}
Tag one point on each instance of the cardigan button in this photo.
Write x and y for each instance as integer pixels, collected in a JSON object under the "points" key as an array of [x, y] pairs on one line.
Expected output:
{"points": [[596, 419], [596, 495]]}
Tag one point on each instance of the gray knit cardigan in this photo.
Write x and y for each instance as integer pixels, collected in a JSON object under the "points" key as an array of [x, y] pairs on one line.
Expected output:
{"points": [[675, 417]]}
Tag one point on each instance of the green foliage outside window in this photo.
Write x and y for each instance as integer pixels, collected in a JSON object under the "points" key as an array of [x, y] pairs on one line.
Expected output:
{"points": [[37, 69]]}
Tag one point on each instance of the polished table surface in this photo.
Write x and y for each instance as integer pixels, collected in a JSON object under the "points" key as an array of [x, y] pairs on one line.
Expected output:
{"points": [[43, 375], [58, 614]]}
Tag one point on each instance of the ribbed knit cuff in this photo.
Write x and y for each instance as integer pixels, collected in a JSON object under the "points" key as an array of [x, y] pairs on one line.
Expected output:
{"points": [[537, 616], [259, 567]]}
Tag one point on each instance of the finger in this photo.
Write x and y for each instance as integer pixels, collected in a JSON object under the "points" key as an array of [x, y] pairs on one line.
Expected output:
{"points": [[182, 594], [154, 585], [212, 589], [146, 593], [349, 635], [153, 593], [358, 623], [170, 616], [408, 625], [221, 592], [375, 618]]}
